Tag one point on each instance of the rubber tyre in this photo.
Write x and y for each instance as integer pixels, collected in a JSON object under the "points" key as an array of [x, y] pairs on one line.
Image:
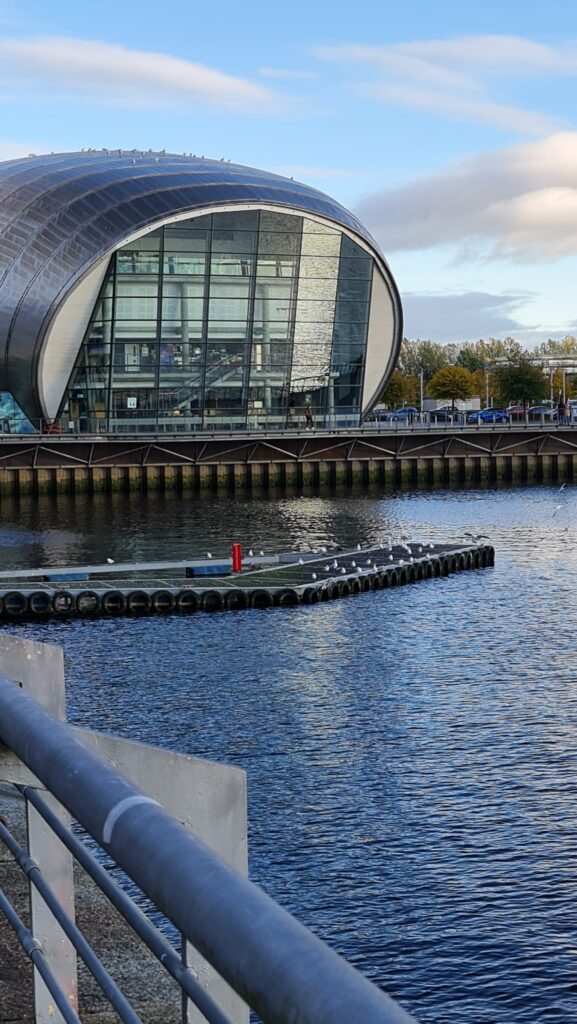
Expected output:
{"points": [[113, 602], [236, 600], [63, 603], [39, 604], [88, 603]]}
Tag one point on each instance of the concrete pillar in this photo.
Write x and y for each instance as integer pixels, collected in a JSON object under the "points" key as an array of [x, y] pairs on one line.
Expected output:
{"points": [[533, 468], [187, 474], [240, 476], [222, 477], [485, 474], [134, 478], [169, 478], [291, 474], [98, 479], [324, 474], [406, 472], [307, 473], [256, 475], [26, 481], [340, 472], [274, 474], [116, 478]]}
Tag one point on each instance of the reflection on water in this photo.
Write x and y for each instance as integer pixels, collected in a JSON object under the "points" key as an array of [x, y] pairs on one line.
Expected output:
{"points": [[411, 754]]}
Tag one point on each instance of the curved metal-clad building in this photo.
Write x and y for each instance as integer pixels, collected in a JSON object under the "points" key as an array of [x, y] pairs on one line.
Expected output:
{"points": [[150, 291]]}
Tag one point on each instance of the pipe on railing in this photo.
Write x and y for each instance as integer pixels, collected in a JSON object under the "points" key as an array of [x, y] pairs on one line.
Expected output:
{"points": [[275, 964]]}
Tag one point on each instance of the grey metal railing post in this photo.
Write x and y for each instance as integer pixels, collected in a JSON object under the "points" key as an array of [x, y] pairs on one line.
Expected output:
{"points": [[284, 973]]}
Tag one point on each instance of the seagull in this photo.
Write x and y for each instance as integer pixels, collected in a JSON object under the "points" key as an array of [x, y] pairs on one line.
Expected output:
{"points": [[419, 549], [391, 558], [401, 561], [250, 552], [110, 561], [369, 561], [314, 576], [353, 564], [563, 486], [327, 568], [335, 564], [557, 507], [261, 553], [301, 561], [358, 547], [411, 559], [208, 554], [343, 569], [323, 550], [359, 568]]}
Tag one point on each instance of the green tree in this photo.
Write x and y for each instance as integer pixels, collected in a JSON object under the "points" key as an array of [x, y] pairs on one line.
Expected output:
{"points": [[519, 382], [424, 357], [452, 382], [471, 358], [566, 347], [400, 389]]}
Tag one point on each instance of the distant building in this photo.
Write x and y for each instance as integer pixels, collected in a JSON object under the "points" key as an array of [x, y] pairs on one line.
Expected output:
{"points": [[151, 292]]}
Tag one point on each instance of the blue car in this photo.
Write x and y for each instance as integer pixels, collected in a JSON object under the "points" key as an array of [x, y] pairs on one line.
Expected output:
{"points": [[408, 413], [488, 416]]}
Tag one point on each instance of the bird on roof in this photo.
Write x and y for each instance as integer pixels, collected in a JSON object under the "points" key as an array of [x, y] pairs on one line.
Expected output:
{"points": [[314, 576], [110, 561], [358, 547], [208, 554]]}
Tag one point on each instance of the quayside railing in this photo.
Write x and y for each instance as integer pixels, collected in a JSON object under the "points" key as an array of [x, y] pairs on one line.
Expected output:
{"points": [[272, 962]]}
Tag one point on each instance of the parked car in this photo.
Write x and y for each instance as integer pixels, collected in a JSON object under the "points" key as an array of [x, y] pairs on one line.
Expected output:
{"points": [[444, 414], [516, 412], [407, 413], [488, 416], [542, 412]]}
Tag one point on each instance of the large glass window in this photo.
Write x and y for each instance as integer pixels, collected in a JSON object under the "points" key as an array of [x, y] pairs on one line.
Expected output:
{"points": [[224, 321]]}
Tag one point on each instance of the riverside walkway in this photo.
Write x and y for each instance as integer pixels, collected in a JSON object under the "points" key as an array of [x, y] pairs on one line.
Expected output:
{"points": [[209, 585], [387, 453]]}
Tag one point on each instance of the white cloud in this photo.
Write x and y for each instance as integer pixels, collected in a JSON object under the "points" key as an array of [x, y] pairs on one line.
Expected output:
{"points": [[518, 203], [463, 316], [450, 77], [462, 107], [128, 78]]}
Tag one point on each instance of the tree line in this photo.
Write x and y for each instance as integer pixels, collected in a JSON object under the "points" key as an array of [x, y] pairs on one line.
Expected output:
{"points": [[501, 368]]}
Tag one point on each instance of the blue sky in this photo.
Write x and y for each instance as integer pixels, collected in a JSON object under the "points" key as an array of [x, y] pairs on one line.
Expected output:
{"points": [[449, 128]]}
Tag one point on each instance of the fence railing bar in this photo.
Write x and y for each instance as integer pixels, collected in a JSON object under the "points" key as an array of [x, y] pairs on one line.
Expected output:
{"points": [[32, 947], [131, 912], [275, 964], [80, 943]]}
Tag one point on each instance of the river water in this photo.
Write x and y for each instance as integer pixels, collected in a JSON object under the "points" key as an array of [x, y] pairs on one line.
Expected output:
{"points": [[411, 754]]}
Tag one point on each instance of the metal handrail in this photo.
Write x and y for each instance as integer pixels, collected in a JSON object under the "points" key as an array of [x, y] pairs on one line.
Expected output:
{"points": [[281, 970]]}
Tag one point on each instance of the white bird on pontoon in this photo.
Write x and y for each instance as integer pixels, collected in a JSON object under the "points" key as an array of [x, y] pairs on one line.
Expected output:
{"points": [[208, 554], [343, 569], [359, 568], [110, 561], [250, 553], [261, 553], [301, 561], [358, 547], [354, 564], [314, 576]]}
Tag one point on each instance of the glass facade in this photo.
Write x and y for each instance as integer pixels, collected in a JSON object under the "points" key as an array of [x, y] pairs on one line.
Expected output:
{"points": [[228, 321]]}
